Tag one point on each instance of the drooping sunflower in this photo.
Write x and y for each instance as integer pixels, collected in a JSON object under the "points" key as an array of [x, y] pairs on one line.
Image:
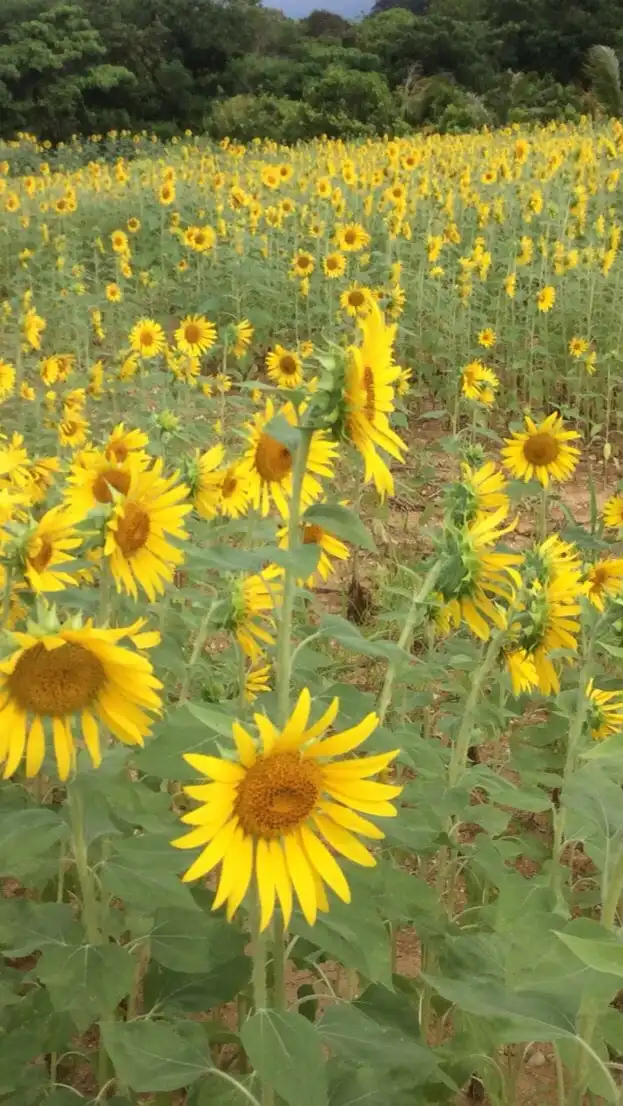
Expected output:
{"points": [[329, 546], [256, 681], [481, 573], [549, 621], [605, 712], [195, 335], [94, 480], [479, 490], [369, 399], [277, 816], [48, 548], [74, 675], [522, 671], [233, 492], [205, 481], [613, 511], [357, 301], [243, 333], [480, 383], [254, 602], [284, 367], [137, 532], [268, 463], [33, 326], [605, 581], [147, 338], [542, 451], [121, 443], [334, 265]]}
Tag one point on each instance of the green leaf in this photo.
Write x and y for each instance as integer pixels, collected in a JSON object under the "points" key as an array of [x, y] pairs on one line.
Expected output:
{"points": [[530, 1016], [343, 631], [352, 933], [283, 431], [356, 1038], [26, 836], [156, 1055], [342, 522], [215, 719], [27, 926], [195, 993], [286, 1052], [163, 755], [603, 955], [86, 981], [145, 872], [185, 943], [214, 1090]]}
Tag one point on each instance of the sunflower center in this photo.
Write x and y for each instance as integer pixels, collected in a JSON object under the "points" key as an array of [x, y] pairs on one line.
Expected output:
{"points": [[277, 794], [147, 338], [192, 333], [350, 237], [273, 459], [132, 529], [312, 534], [541, 449], [369, 389], [41, 558], [229, 486], [600, 577], [56, 681], [288, 365], [111, 478], [303, 262], [356, 298]]}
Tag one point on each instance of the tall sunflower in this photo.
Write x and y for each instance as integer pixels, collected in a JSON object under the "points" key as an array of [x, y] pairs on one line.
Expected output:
{"points": [[147, 338], [48, 547], [369, 399], [277, 815], [328, 545], [68, 675], [205, 481], [254, 602], [357, 300], [605, 712], [478, 490], [613, 511], [243, 333], [481, 575], [549, 621], [284, 367], [195, 335], [542, 451], [94, 480], [233, 492], [605, 581], [136, 544], [479, 383], [268, 463]]}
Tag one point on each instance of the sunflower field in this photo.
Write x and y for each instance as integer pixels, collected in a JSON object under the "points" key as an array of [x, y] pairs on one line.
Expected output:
{"points": [[311, 576]]}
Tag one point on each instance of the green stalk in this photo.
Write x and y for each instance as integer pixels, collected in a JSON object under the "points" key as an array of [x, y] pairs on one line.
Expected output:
{"points": [[420, 595], [199, 642], [543, 515], [460, 748]]}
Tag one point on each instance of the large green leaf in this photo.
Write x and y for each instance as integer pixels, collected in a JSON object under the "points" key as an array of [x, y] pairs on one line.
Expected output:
{"points": [[341, 521], [27, 836], [286, 1051], [27, 926], [163, 755], [195, 993], [528, 1016], [156, 1055], [347, 634], [86, 981], [145, 872], [604, 954], [354, 1037], [354, 934], [185, 941]]}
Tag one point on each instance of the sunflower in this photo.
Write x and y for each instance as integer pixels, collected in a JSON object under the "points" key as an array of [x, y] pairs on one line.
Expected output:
{"points": [[33, 326], [72, 430], [48, 548], [542, 451], [303, 263], [605, 712], [479, 490], [40, 475], [334, 265], [205, 481], [480, 574], [522, 671], [613, 511], [328, 545], [486, 338], [578, 347], [113, 292], [94, 481], [605, 581], [357, 301], [278, 814], [546, 298], [479, 383], [136, 544], [243, 333], [195, 335], [121, 443], [510, 285], [74, 674], [284, 367], [268, 463], [119, 241], [233, 492], [256, 681], [166, 195], [254, 601], [133, 224], [7, 379], [147, 338], [549, 622], [369, 399], [352, 237]]}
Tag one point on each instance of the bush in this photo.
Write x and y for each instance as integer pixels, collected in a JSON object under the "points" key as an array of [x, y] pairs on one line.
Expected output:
{"points": [[245, 117]]}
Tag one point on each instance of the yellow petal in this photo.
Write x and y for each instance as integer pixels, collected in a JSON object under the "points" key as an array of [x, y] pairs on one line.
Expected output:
{"points": [[224, 771], [283, 883], [301, 877], [327, 719], [265, 883], [91, 736], [345, 741], [245, 745], [63, 747], [344, 842], [294, 729], [35, 749], [359, 768], [325, 864], [228, 870], [352, 821], [244, 868], [210, 857], [16, 727]]}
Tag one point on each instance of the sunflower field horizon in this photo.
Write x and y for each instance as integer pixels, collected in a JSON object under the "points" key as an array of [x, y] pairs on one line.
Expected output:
{"points": [[311, 566]]}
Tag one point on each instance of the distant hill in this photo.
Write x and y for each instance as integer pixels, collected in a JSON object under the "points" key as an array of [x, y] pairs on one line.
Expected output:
{"points": [[349, 9]]}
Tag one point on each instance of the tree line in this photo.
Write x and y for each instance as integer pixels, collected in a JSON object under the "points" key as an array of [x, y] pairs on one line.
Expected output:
{"points": [[234, 67]]}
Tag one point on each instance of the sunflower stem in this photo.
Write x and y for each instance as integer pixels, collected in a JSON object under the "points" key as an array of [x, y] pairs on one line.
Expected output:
{"points": [[199, 642], [543, 505], [279, 966], [420, 595], [460, 748]]}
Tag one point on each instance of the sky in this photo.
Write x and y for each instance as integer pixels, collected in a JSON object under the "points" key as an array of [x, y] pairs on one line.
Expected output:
{"points": [[297, 9]]}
